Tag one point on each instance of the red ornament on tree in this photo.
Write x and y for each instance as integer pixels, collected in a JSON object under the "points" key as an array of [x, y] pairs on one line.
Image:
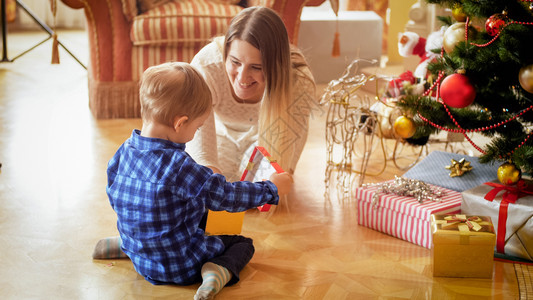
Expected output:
{"points": [[456, 91], [494, 24]]}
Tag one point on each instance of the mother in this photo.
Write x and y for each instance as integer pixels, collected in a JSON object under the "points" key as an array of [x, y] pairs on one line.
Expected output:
{"points": [[263, 94]]}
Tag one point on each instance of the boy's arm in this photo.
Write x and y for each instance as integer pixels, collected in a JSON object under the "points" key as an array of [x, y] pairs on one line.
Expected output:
{"points": [[220, 194]]}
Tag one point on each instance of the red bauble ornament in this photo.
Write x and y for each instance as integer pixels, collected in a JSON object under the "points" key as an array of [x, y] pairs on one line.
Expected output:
{"points": [[456, 91], [494, 24]]}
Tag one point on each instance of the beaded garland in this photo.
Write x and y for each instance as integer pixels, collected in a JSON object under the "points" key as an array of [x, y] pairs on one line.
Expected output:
{"points": [[438, 82]]}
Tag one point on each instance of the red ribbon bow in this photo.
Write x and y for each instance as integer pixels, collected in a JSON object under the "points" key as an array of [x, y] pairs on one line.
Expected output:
{"points": [[511, 195]]}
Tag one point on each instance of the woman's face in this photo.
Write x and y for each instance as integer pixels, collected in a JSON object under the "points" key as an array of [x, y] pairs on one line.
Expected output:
{"points": [[245, 71]]}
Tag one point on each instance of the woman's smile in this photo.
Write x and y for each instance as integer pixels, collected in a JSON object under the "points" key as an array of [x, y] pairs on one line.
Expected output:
{"points": [[245, 71]]}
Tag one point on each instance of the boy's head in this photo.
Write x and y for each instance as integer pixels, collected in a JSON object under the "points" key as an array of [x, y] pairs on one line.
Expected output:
{"points": [[171, 90]]}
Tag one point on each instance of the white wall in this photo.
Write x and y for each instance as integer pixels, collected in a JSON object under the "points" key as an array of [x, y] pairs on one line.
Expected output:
{"points": [[66, 17]]}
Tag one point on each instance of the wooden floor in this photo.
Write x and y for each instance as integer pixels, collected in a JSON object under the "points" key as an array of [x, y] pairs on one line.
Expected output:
{"points": [[54, 209]]}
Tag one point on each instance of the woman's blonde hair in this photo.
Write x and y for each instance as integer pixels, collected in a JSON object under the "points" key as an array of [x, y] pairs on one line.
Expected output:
{"points": [[264, 29], [173, 89]]}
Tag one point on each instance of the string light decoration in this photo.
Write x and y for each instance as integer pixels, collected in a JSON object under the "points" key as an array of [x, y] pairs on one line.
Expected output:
{"points": [[348, 119], [354, 128]]}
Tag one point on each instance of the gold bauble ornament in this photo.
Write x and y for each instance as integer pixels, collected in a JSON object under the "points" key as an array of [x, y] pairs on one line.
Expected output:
{"points": [[509, 174], [525, 76], [452, 36], [458, 13], [404, 127]]}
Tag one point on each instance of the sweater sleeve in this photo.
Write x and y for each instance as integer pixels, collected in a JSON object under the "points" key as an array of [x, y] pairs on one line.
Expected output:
{"points": [[305, 103], [203, 147]]}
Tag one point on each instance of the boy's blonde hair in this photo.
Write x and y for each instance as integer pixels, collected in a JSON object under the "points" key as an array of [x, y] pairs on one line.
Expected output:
{"points": [[173, 89]]}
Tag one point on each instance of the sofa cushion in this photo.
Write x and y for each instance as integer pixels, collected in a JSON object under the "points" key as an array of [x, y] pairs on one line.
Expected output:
{"points": [[267, 3], [164, 25], [146, 5], [227, 1]]}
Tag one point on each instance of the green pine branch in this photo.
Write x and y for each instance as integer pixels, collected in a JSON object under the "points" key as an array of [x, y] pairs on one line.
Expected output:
{"points": [[493, 71]]}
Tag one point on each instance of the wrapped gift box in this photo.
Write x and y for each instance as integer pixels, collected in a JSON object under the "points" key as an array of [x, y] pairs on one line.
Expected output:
{"points": [[223, 222], [460, 250], [260, 167], [513, 222], [432, 170], [403, 217]]}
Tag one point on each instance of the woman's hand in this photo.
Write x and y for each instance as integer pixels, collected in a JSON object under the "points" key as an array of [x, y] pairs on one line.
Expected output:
{"points": [[283, 182]]}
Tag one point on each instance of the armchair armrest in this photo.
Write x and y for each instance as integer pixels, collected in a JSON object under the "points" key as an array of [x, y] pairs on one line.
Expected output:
{"points": [[315, 2], [76, 4], [109, 37]]}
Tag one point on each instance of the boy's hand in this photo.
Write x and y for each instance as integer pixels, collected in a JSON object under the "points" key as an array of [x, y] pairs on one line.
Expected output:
{"points": [[283, 182]]}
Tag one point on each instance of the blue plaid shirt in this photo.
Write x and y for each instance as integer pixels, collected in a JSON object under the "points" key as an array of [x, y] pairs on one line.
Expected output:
{"points": [[160, 195]]}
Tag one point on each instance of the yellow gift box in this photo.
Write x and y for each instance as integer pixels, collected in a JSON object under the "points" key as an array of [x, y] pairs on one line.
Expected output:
{"points": [[463, 246], [260, 166], [223, 222]]}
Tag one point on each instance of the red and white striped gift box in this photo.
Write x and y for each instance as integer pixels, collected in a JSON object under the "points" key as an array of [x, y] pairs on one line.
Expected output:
{"points": [[404, 217]]}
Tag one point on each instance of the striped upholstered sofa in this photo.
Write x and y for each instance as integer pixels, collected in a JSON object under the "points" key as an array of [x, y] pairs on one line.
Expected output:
{"points": [[128, 36]]}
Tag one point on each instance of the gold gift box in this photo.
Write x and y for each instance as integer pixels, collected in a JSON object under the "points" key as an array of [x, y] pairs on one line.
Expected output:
{"points": [[463, 246], [223, 222]]}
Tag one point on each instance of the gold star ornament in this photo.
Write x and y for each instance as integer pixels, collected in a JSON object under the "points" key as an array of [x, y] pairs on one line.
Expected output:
{"points": [[458, 168]]}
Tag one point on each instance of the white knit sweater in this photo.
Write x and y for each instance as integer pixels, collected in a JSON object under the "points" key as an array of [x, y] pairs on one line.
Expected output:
{"points": [[228, 136]]}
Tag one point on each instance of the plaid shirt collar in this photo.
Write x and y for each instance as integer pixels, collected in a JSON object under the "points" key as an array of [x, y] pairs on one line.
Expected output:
{"points": [[144, 143]]}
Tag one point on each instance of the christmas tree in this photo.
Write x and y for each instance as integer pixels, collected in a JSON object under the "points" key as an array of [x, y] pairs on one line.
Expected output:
{"points": [[482, 82]]}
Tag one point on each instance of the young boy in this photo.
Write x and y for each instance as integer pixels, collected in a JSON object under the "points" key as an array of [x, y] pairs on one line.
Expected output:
{"points": [[160, 194]]}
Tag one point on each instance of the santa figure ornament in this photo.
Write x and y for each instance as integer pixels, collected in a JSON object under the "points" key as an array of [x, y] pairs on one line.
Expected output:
{"points": [[411, 43]]}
